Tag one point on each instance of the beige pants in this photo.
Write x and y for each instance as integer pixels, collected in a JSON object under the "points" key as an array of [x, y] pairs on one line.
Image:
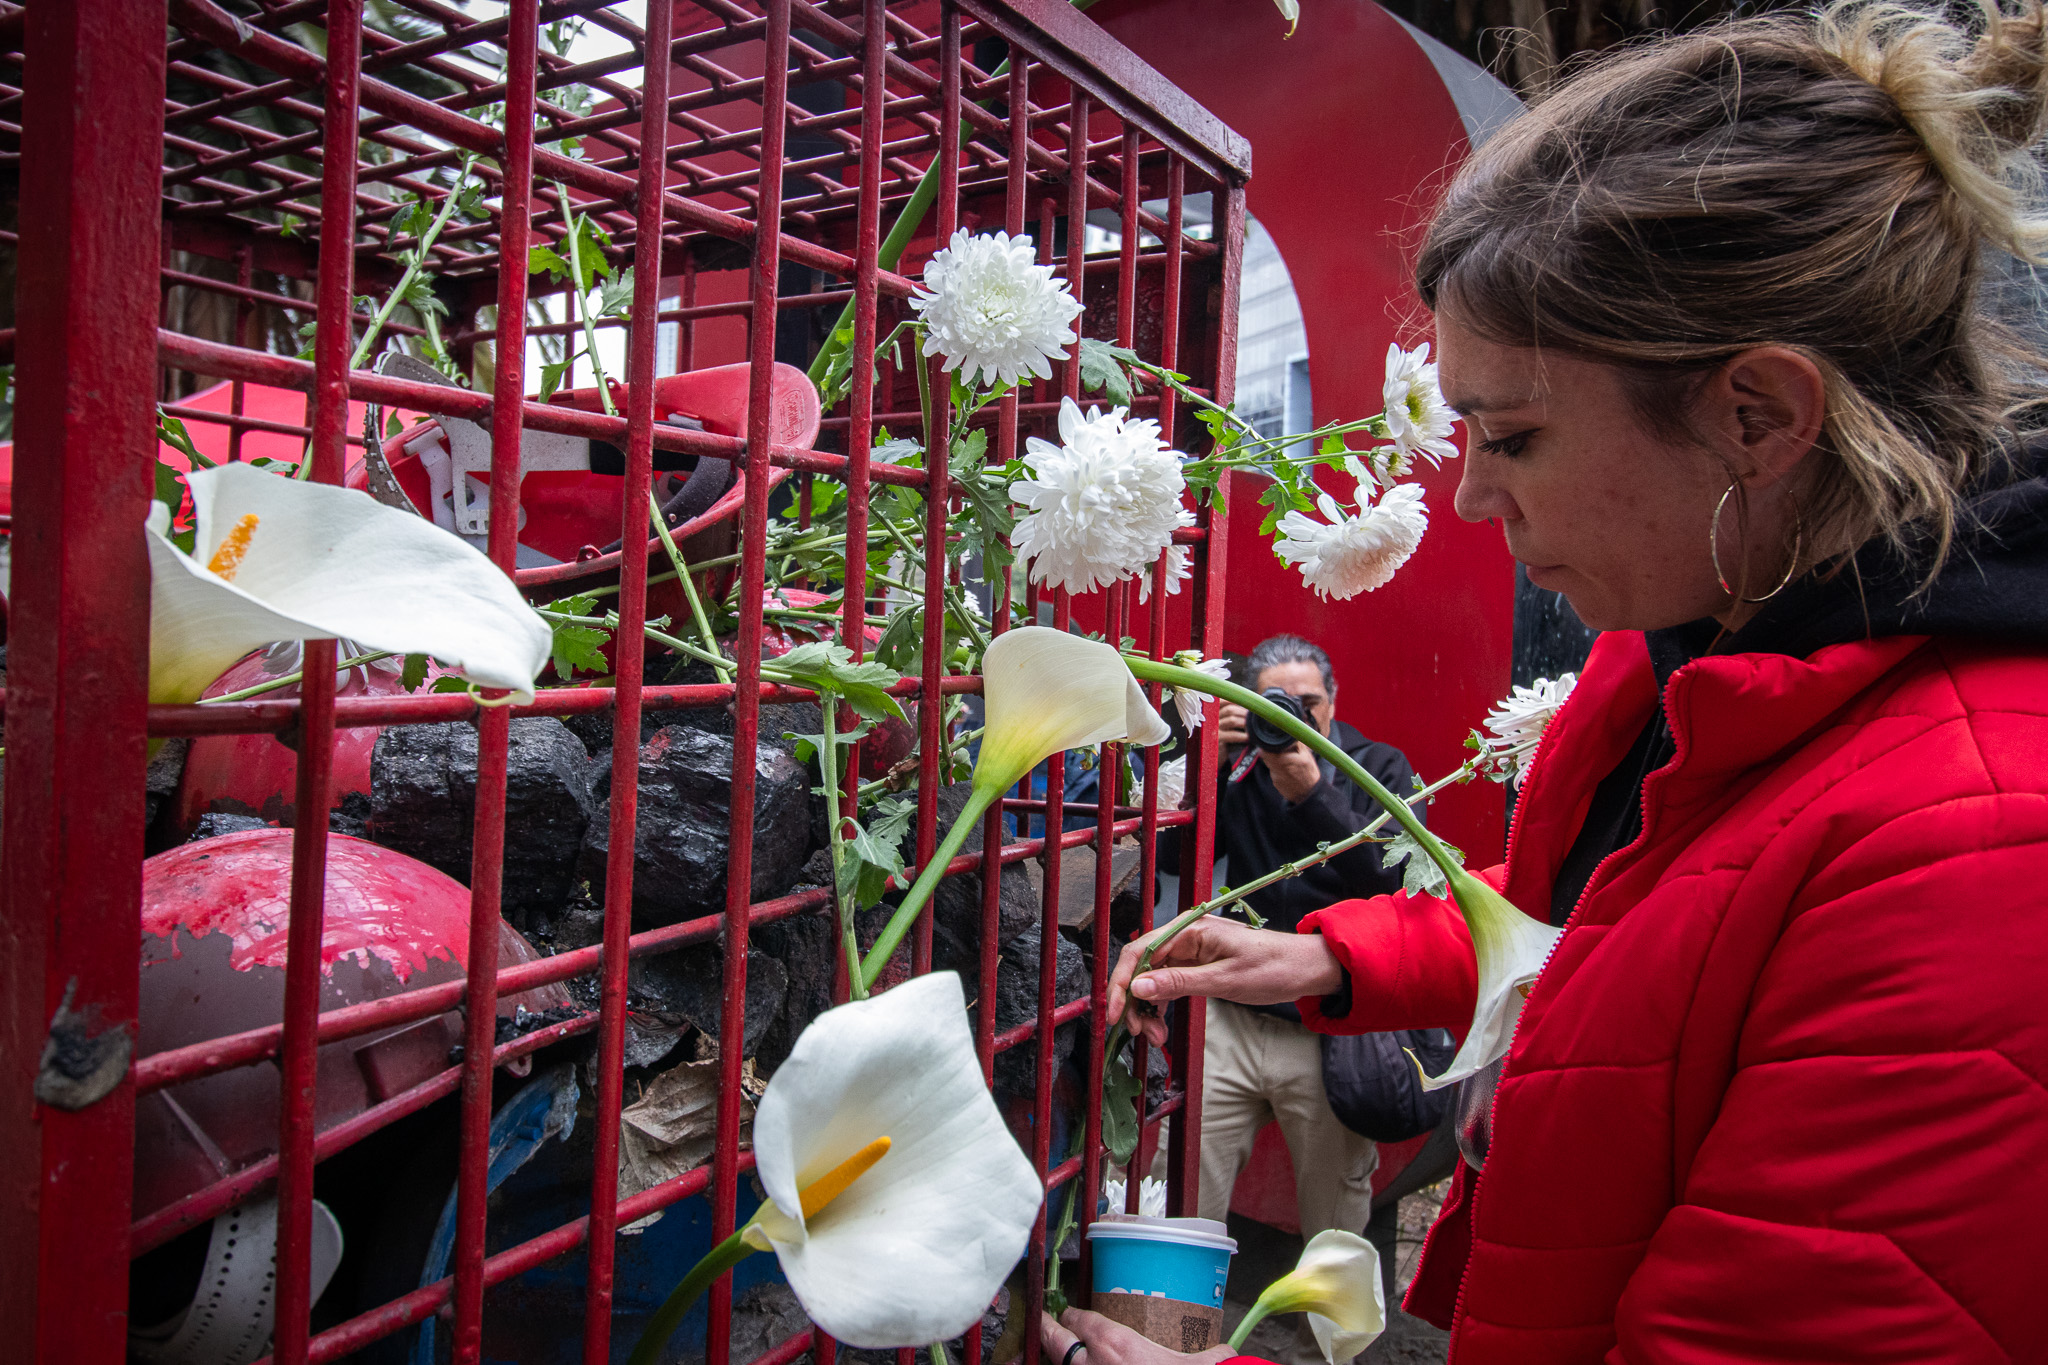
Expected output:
{"points": [[1257, 1067]]}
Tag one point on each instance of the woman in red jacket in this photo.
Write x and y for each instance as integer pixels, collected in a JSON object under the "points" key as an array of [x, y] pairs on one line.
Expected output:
{"points": [[1716, 316]]}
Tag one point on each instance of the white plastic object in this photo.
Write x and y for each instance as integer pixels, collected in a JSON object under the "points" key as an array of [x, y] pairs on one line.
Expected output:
{"points": [[229, 1321]]}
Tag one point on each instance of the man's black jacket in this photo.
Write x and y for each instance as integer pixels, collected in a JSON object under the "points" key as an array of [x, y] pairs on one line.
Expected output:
{"points": [[1260, 830]]}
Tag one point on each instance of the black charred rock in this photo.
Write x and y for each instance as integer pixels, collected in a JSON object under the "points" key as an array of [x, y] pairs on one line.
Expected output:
{"points": [[691, 982], [1017, 977], [351, 815], [805, 946], [213, 824], [683, 819], [423, 803], [956, 905]]}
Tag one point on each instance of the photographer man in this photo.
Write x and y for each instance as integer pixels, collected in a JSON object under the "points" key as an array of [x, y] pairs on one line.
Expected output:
{"points": [[1276, 803]]}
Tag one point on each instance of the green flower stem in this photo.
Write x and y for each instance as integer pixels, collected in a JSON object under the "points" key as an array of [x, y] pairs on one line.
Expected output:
{"points": [[681, 1299], [908, 221], [978, 802], [954, 595], [581, 302], [726, 672], [828, 769], [1258, 1314], [288, 679], [1151, 670], [1055, 1297], [418, 259]]}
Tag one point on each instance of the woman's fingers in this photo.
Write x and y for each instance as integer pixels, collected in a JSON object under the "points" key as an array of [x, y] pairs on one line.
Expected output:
{"points": [[1127, 966], [1053, 1339]]}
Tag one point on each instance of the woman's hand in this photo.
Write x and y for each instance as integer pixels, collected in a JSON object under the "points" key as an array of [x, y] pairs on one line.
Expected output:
{"points": [[1110, 1343], [1223, 958]]}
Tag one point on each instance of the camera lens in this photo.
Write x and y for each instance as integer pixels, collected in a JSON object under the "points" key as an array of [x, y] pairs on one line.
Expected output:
{"points": [[1267, 735]]}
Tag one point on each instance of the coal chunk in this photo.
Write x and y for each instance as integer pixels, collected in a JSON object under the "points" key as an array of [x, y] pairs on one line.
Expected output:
{"points": [[213, 824], [956, 904], [423, 803], [691, 982], [683, 819], [806, 947], [1017, 977]]}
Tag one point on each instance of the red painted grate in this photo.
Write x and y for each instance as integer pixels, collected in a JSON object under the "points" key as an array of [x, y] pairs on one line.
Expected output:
{"points": [[793, 134]]}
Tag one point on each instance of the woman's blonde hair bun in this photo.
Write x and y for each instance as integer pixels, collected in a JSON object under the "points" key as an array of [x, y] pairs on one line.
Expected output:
{"points": [[1977, 96], [1827, 180]]}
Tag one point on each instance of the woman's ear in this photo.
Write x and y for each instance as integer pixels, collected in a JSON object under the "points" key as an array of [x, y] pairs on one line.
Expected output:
{"points": [[1765, 408]]}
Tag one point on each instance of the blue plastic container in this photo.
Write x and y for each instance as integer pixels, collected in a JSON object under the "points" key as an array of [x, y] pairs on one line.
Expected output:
{"points": [[1163, 1258]]}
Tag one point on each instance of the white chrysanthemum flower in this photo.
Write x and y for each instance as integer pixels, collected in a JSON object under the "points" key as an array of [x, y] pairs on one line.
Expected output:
{"points": [[1188, 701], [1516, 724], [1173, 784], [1419, 422], [1349, 555], [1178, 571], [1103, 505], [992, 311], [1151, 1196]]}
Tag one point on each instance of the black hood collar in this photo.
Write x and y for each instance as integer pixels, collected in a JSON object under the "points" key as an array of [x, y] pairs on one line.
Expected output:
{"points": [[1994, 585]]}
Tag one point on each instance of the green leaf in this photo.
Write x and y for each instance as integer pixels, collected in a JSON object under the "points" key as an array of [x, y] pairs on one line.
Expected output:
{"points": [[450, 684], [414, 673], [969, 448], [539, 258], [1121, 1092], [289, 224], [1102, 370], [902, 639], [615, 296], [897, 449], [873, 854], [551, 377], [826, 667], [1421, 876], [575, 647]]}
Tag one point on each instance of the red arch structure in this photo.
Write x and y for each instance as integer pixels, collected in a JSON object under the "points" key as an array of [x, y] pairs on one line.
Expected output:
{"points": [[1353, 130], [1355, 124]]}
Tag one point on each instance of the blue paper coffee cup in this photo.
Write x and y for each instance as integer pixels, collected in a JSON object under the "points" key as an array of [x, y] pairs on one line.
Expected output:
{"points": [[1185, 1259]]}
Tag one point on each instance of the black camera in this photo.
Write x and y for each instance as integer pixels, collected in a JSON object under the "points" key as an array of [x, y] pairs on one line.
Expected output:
{"points": [[1265, 733]]}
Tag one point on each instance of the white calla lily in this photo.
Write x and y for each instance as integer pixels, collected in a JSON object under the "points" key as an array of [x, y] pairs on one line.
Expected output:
{"points": [[278, 559], [1337, 1283], [913, 1249], [898, 1202], [1043, 692], [1511, 948]]}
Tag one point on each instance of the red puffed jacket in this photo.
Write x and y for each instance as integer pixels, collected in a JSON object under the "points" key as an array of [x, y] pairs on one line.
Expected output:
{"points": [[1781, 1093]]}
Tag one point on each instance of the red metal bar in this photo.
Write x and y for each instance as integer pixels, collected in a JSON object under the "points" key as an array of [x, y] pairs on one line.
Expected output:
{"points": [[494, 730], [92, 120], [631, 663], [333, 342], [1184, 1149], [196, 1208], [228, 362], [1077, 224], [938, 437], [765, 270], [860, 430]]}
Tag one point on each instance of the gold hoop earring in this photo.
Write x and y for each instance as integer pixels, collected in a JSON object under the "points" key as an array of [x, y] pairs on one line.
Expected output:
{"points": [[1714, 550]]}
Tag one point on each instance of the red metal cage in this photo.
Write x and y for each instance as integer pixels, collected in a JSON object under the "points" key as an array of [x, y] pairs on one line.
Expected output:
{"points": [[792, 132]]}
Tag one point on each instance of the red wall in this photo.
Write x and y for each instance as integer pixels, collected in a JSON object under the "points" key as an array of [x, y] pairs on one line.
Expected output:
{"points": [[1351, 132]]}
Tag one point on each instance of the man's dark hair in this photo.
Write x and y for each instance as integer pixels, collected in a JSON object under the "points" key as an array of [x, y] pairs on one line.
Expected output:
{"points": [[1290, 649]]}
